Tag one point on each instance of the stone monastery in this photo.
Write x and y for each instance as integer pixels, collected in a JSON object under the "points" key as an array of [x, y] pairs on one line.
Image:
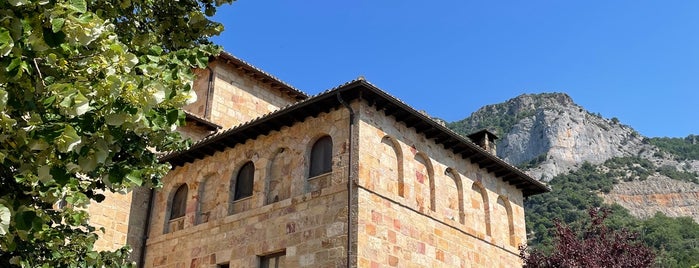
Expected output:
{"points": [[351, 177]]}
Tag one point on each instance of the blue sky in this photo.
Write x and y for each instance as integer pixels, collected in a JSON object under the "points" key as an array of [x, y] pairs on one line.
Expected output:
{"points": [[634, 60]]}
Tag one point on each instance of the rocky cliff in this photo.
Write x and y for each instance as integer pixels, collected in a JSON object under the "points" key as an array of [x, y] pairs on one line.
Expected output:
{"points": [[548, 134]]}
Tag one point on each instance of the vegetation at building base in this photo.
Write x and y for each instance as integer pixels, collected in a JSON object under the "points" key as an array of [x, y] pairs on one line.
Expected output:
{"points": [[89, 90], [592, 245], [674, 240]]}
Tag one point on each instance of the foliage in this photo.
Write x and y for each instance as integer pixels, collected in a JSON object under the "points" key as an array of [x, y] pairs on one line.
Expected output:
{"points": [[593, 245], [673, 173], [534, 162], [89, 91], [572, 194], [673, 239], [684, 148], [500, 124]]}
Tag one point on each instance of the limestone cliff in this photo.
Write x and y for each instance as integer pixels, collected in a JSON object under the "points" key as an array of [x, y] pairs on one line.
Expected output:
{"points": [[548, 134]]}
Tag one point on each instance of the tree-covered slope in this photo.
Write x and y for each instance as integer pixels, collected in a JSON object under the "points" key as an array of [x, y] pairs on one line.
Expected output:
{"points": [[651, 184], [683, 148], [673, 239]]}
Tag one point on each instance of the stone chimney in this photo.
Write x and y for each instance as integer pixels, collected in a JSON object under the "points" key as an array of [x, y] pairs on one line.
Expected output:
{"points": [[485, 139]]}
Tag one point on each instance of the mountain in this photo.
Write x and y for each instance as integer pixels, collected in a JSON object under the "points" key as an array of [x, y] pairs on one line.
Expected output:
{"points": [[549, 135], [650, 184]]}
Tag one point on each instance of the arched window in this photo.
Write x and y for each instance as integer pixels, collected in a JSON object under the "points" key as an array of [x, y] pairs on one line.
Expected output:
{"points": [[244, 180], [179, 202], [321, 157]]}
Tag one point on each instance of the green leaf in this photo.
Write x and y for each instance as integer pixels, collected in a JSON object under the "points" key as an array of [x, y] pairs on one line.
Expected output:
{"points": [[101, 151], [87, 163], [135, 177], [68, 139], [131, 60], [24, 220], [202, 62], [18, 2], [16, 62], [115, 119], [36, 40], [6, 43], [78, 5], [172, 116], [44, 173], [5, 217], [3, 99], [57, 24], [60, 175], [81, 104], [48, 102]]}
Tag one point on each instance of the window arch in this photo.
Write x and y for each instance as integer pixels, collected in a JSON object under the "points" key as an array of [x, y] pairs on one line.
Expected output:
{"points": [[177, 209], [394, 146], [278, 184], [321, 157], [178, 205], [479, 200], [504, 204], [244, 181], [424, 170], [456, 178], [206, 201]]}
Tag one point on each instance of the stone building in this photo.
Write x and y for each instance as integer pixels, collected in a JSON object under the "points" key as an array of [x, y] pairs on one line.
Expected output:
{"points": [[280, 179]]}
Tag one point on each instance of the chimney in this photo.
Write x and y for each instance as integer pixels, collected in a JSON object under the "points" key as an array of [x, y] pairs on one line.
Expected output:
{"points": [[485, 139]]}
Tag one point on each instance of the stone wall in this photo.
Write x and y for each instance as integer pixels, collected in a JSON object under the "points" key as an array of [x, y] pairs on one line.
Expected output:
{"points": [[239, 98], [112, 214], [201, 87], [193, 131], [307, 220], [422, 206]]}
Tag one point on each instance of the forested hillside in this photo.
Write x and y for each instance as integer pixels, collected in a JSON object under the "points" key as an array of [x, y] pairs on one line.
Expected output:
{"points": [[683, 148], [651, 184], [675, 240]]}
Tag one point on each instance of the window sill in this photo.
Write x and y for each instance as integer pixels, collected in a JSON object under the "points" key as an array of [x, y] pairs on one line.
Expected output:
{"points": [[320, 176], [242, 199]]}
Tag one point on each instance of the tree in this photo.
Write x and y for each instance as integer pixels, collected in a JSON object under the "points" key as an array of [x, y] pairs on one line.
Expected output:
{"points": [[90, 90], [595, 246]]}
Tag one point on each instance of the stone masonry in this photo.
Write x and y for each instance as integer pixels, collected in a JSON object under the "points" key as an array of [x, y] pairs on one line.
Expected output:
{"points": [[419, 195]]}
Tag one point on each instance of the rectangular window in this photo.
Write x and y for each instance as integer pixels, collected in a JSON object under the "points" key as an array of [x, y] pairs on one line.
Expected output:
{"points": [[276, 260], [222, 265]]}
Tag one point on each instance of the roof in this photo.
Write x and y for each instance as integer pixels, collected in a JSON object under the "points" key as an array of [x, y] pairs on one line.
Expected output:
{"points": [[390, 106], [201, 121], [262, 76], [482, 133]]}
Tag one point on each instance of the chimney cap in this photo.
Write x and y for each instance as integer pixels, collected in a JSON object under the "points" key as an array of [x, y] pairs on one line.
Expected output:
{"points": [[479, 135]]}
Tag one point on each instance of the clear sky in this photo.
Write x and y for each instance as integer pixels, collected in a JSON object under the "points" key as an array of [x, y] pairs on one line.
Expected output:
{"points": [[634, 60]]}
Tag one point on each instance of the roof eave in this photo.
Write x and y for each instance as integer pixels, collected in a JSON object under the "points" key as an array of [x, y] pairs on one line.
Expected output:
{"points": [[327, 100]]}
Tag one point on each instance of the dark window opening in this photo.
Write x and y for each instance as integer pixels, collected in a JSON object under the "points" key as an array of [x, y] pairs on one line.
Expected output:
{"points": [[321, 157], [276, 260], [243, 183], [179, 202]]}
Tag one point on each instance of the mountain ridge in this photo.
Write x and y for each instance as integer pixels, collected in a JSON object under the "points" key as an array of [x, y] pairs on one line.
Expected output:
{"points": [[548, 134]]}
